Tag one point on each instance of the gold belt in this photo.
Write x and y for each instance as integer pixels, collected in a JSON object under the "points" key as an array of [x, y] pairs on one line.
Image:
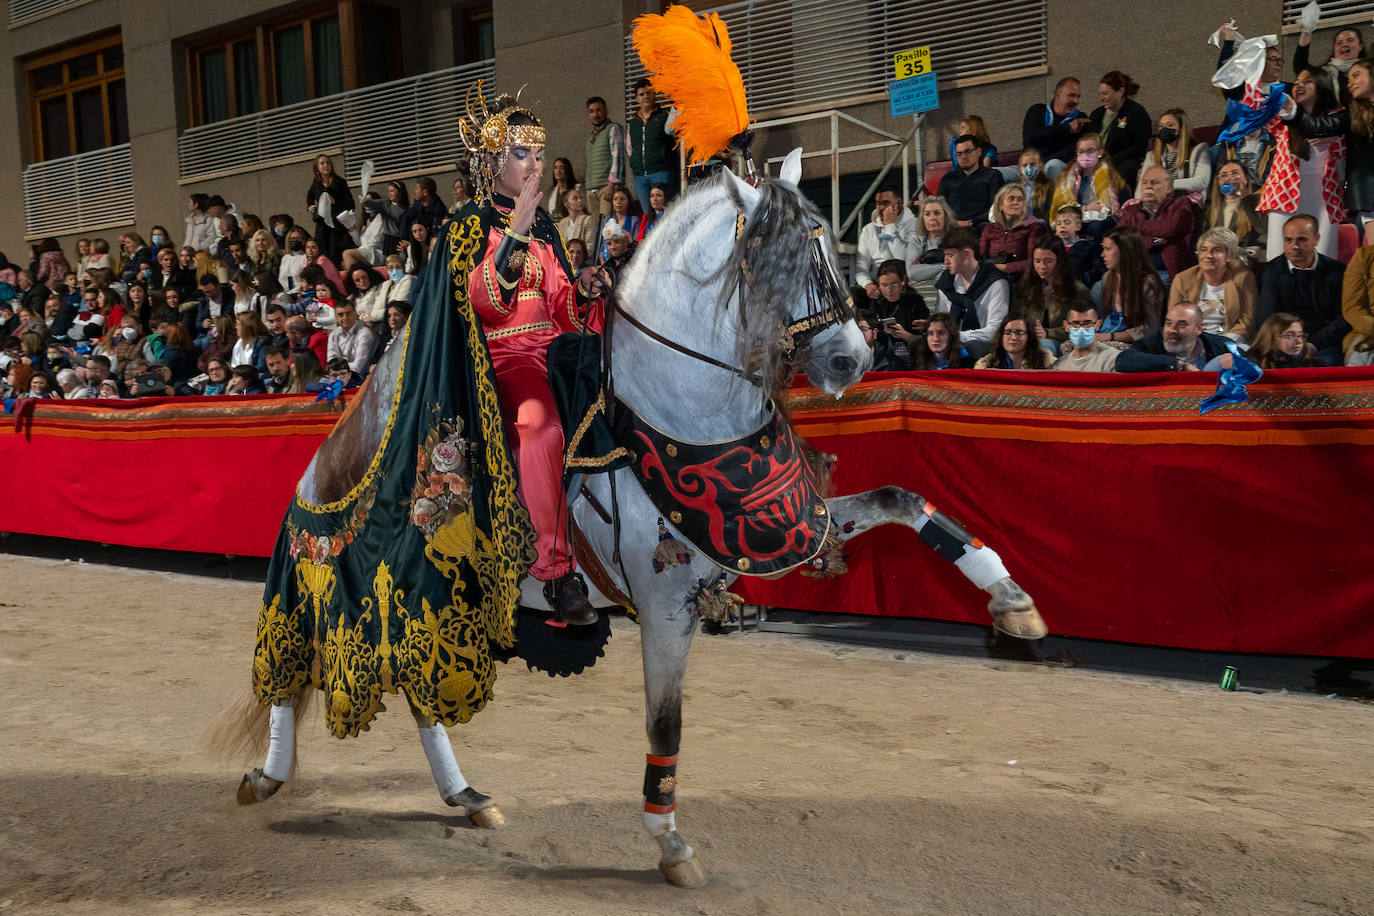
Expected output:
{"points": [[519, 329]]}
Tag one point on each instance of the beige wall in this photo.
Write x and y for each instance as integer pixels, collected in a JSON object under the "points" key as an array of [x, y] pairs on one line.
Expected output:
{"points": [[568, 52]]}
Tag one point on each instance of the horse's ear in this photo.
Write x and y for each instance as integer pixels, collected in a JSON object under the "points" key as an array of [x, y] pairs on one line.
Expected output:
{"points": [[791, 167], [744, 195]]}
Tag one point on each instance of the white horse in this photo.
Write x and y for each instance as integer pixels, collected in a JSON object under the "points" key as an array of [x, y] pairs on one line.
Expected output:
{"points": [[695, 362]]}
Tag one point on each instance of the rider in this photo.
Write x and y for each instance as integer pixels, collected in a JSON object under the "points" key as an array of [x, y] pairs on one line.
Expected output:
{"points": [[524, 295]]}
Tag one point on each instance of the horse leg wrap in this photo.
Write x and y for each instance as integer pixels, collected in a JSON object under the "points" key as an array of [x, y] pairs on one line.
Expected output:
{"points": [[660, 794], [439, 753], [281, 744], [978, 562]]}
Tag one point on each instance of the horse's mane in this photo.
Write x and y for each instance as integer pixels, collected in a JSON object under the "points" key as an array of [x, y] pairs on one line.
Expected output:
{"points": [[770, 262]]}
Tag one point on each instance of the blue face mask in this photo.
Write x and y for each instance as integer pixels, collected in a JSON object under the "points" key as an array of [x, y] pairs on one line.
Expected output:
{"points": [[1030, 171], [1227, 188], [395, 274], [1082, 338], [158, 240]]}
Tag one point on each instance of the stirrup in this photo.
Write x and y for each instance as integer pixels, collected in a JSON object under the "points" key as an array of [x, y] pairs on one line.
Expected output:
{"points": [[255, 787]]}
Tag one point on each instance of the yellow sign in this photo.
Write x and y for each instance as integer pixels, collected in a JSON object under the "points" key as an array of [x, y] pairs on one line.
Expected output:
{"points": [[911, 63]]}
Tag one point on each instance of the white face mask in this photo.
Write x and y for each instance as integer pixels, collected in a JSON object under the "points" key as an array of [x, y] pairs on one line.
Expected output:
{"points": [[130, 334]]}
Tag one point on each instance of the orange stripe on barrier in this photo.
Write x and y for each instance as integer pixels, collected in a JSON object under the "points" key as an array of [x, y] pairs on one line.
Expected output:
{"points": [[660, 809], [661, 761]]}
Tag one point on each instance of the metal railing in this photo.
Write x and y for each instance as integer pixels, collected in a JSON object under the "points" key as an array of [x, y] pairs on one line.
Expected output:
{"points": [[28, 9], [87, 191], [796, 53], [403, 126]]}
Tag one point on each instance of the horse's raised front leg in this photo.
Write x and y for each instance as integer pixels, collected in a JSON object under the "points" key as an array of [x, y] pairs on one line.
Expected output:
{"points": [[1013, 611], [453, 788], [666, 639], [263, 782]]}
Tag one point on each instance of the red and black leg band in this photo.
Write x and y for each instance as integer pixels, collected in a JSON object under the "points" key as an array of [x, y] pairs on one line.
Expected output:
{"points": [[660, 784]]}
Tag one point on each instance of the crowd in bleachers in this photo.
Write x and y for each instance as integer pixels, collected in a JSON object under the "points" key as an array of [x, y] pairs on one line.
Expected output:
{"points": [[1119, 242], [1112, 241]]}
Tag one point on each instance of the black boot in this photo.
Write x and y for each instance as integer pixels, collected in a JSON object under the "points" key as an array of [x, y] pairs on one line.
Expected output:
{"points": [[568, 598]]}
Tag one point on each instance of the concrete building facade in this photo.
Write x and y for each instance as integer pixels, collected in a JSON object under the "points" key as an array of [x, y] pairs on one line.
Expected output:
{"points": [[185, 66]]}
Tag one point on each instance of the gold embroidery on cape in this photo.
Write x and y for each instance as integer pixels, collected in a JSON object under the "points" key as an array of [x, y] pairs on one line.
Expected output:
{"points": [[281, 659], [353, 693]]}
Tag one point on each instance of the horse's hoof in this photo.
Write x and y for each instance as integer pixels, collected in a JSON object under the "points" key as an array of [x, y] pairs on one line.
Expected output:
{"points": [[690, 873], [256, 787], [1013, 611], [489, 818], [480, 809]]}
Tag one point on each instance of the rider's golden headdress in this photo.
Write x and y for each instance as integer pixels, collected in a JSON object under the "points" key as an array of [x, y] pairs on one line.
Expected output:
{"points": [[489, 137]]}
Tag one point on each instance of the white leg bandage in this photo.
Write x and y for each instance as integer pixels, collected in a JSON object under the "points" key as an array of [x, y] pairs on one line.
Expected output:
{"points": [[982, 566], [281, 746], [439, 752], [660, 824]]}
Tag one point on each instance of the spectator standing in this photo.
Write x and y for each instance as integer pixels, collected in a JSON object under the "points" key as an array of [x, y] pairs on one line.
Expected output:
{"points": [[1015, 347], [1123, 124], [1223, 289], [1347, 47], [1130, 286], [1232, 205], [976, 294], [1308, 284], [578, 223], [52, 263], [934, 219], [392, 212], [169, 274], [331, 235], [970, 186], [1175, 150], [1355, 124], [1053, 128], [1306, 176], [1164, 218], [351, 339], [1091, 183], [428, 210], [891, 234], [604, 157], [200, 226], [1006, 240], [564, 180]]}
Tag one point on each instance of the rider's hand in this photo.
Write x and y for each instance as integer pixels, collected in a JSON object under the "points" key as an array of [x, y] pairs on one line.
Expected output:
{"points": [[522, 217]]}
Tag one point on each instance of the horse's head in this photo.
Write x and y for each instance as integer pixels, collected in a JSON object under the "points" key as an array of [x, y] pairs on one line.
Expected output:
{"points": [[794, 307]]}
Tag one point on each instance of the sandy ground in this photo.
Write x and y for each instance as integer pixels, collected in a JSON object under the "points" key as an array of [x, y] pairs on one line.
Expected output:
{"points": [[814, 779]]}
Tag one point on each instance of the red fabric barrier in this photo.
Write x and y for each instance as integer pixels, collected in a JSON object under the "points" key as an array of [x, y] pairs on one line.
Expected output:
{"points": [[208, 474], [1124, 513]]}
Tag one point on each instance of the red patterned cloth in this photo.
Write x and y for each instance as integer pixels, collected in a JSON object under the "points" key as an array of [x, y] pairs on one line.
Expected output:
{"points": [[1283, 187]]}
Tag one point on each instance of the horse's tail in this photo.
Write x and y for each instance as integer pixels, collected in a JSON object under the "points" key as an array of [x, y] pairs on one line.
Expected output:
{"points": [[240, 732]]}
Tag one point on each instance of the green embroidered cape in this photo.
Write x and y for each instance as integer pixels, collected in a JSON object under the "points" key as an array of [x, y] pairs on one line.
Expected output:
{"points": [[410, 581]]}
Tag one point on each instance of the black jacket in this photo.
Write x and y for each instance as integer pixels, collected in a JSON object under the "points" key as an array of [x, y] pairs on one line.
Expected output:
{"points": [[1049, 133], [1125, 143], [1359, 155], [1148, 354], [1313, 295], [970, 195]]}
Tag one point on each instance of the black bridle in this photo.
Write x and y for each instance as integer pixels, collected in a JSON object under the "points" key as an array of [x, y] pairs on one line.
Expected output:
{"points": [[834, 305]]}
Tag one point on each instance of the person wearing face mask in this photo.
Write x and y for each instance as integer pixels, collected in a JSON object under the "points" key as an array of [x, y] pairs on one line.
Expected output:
{"points": [[159, 238], [1231, 205], [1188, 162], [1089, 353], [1092, 184], [397, 285], [1030, 174], [891, 234], [292, 259], [391, 211]]}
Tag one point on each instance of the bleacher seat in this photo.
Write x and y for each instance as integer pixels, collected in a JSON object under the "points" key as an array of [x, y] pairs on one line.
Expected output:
{"points": [[1347, 241], [934, 172]]}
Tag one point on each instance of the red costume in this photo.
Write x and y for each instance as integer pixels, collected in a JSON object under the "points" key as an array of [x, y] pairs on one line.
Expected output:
{"points": [[520, 318]]}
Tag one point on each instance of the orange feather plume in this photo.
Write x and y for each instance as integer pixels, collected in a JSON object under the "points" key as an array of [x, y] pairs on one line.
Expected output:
{"points": [[688, 59]]}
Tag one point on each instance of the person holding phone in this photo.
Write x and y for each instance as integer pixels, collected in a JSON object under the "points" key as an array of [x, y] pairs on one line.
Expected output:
{"points": [[901, 312]]}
